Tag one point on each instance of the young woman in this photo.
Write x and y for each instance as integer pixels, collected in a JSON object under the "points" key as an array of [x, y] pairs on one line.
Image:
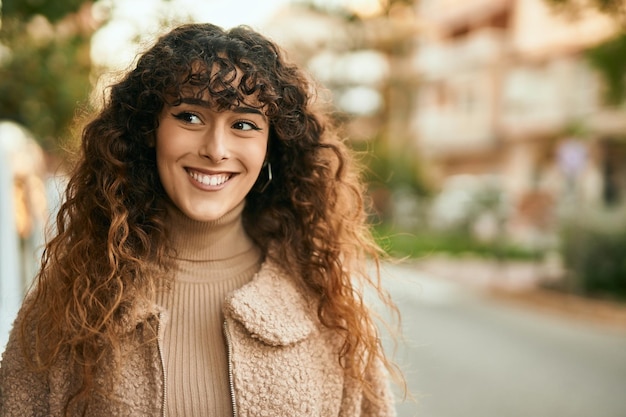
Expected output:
{"points": [[210, 252]]}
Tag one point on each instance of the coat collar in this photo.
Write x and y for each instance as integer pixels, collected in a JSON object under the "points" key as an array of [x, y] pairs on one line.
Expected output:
{"points": [[273, 307]]}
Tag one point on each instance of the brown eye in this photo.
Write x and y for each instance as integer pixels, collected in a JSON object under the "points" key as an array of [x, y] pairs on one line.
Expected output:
{"points": [[188, 117], [245, 125]]}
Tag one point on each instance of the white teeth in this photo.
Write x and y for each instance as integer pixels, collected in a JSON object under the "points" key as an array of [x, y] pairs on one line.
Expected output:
{"points": [[211, 180]]}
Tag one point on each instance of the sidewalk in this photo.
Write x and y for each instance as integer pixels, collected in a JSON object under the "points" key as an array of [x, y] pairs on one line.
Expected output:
{"points": [[519, 282]]}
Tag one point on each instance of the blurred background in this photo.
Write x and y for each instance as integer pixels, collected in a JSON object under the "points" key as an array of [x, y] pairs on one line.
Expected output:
{"points": [[493, 133]]}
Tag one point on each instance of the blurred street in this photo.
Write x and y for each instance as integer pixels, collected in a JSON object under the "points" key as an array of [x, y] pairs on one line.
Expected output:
{"points": [[467, 354]]}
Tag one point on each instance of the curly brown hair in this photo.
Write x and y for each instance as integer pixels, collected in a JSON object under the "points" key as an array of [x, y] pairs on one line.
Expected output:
{"points": [[111, 240]]}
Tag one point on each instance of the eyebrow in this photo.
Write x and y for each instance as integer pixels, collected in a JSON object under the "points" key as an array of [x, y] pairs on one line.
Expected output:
{"points": [[204, 103]]}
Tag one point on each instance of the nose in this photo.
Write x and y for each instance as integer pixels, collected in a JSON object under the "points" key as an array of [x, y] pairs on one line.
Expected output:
{"points": [[215, 146]]}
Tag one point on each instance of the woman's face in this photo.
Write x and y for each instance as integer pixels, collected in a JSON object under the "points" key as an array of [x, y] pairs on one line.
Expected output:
{"points": [[208, 161]]}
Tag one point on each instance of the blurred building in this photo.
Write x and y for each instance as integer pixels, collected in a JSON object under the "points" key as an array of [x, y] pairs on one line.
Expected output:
{"points": [[362, 62], [506, 90]]}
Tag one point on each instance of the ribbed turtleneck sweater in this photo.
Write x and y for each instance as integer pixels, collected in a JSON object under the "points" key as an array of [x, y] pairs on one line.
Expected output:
{"points": [[211, 260]]}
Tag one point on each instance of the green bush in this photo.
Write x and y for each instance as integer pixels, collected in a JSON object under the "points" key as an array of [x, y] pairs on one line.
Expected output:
{"points": [[415, 245], [595, 258]]}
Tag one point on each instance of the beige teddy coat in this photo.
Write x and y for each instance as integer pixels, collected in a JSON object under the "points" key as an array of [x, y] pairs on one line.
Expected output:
{"points": [[283, 363]]}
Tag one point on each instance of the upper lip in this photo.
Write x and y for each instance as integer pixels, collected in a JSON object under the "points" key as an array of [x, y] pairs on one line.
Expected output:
{"points": [[209, 171]]}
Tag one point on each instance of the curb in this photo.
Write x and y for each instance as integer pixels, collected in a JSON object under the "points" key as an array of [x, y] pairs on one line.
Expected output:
{"points": [[521, 283]]}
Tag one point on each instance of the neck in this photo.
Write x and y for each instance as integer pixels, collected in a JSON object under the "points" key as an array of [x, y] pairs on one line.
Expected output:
{"points": [[219, 239]]}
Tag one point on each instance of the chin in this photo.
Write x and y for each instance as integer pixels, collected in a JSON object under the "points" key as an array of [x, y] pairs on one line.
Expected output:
{"points": [[204, 217]]}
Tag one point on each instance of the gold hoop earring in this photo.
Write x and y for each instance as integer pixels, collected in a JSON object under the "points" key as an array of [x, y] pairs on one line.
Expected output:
{"points": [[267, 165]]}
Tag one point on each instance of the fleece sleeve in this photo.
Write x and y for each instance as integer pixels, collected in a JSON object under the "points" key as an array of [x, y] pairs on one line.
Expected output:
{"points": [[356, 404], [385, 406], [23, 392]]}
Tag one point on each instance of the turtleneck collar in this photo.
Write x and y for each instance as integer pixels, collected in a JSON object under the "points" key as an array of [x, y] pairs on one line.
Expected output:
{"points": [[219, 239]]}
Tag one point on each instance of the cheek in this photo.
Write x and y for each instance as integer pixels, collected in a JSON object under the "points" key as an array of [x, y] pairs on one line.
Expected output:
{"points": [[166, 144], [258, 159]]}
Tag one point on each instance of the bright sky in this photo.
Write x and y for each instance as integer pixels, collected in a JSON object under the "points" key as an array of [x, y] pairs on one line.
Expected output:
{"points": [[114, 44]]}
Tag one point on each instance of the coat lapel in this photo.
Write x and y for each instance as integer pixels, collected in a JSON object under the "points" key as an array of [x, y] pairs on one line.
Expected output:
{"points": [[272, 308]]}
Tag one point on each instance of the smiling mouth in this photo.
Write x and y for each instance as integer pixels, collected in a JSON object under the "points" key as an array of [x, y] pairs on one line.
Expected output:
{"points": [[209, 179]]}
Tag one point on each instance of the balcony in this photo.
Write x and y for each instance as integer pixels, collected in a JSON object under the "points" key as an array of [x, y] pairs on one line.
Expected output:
{"points": [[543, 99]]}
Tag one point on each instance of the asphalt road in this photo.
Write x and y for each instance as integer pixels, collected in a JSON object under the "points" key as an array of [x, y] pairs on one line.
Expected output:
{"points": [[467, 355]]}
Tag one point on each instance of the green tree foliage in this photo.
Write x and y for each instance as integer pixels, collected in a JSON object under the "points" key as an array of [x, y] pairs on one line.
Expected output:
{"points": [[614, 8], [53, 10], [44, 68], [610, 59]]}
